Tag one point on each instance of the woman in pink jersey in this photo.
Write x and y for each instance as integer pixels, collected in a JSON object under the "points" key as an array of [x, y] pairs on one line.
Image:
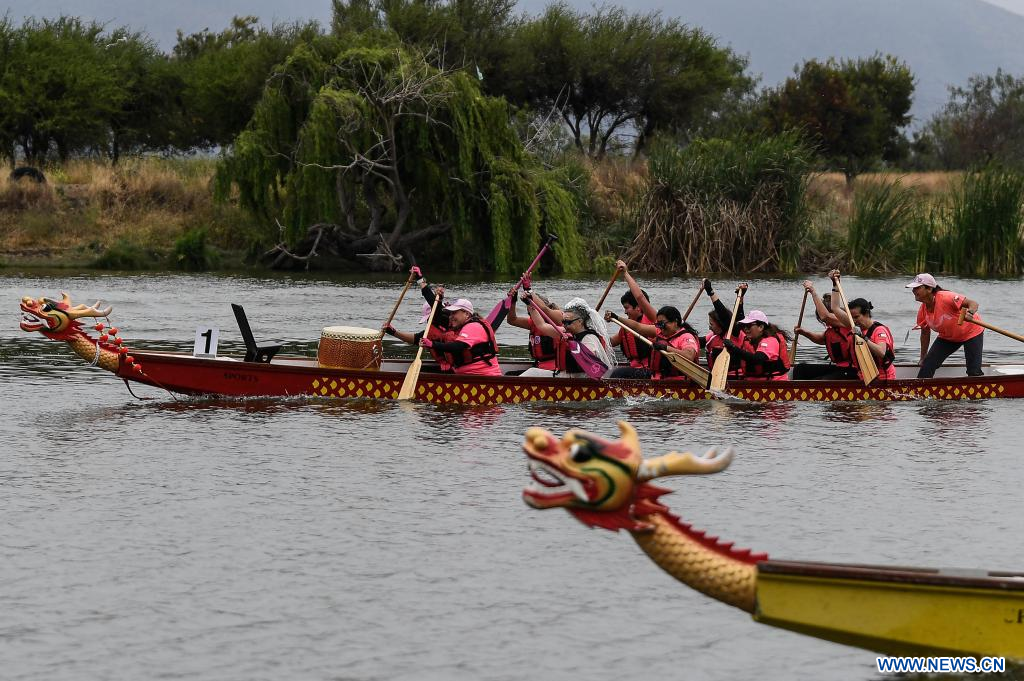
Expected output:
{"points": [[940, 311], [876, 335], [474, 349], [765, 352]]}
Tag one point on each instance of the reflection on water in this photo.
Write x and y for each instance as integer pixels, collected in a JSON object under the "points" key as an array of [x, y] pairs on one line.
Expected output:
{"points": [[303, 538]]}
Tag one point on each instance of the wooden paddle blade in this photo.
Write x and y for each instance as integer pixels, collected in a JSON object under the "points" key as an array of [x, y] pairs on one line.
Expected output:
{"points": [[865, 361], [694, 372], [412, 377], [720, 371]]}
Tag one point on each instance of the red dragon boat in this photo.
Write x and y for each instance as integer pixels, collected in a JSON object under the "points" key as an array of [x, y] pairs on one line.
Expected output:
{"points": [[274, 376]]}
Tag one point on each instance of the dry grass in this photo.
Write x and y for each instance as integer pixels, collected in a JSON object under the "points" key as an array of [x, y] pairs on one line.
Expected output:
{"points": [[829, 191], [87, 206]]}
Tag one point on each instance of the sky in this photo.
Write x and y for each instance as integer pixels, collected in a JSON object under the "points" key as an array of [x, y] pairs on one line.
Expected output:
{"points": [[162, 19]]}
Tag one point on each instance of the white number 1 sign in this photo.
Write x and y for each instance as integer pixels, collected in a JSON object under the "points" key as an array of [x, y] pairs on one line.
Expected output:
{"points": [[206, 341]]}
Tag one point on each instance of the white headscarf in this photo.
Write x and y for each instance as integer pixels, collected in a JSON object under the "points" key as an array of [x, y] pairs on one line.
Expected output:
{"points": [[595, 322]]}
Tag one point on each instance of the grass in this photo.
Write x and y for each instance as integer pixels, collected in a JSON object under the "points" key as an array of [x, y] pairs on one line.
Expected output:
{"points": [[138, 214]]}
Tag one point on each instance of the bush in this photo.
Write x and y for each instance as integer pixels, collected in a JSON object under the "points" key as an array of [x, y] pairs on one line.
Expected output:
{"points": [[192, 253], [720, 205], [124, 255]]}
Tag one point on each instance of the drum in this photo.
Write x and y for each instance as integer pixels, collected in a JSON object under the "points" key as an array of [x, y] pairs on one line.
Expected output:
{"points": [[350, 347]]}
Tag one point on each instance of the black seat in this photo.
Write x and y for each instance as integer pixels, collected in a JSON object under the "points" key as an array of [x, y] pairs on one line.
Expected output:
{"points": [[253, 352]]}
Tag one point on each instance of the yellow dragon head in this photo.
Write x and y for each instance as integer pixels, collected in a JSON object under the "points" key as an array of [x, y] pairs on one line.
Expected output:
{"points": [[56, 319], [601, 482]]}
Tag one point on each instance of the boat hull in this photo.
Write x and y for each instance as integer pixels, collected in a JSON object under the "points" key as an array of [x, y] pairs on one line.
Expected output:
{"points": [[897, 611], [181, 373]]}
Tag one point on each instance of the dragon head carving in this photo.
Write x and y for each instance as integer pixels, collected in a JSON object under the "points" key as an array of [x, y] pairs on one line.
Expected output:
{"points": [[605, 483], [57, 319]]}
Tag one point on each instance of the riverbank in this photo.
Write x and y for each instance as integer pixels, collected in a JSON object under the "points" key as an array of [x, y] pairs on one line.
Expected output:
{"points": [[160, 214]]}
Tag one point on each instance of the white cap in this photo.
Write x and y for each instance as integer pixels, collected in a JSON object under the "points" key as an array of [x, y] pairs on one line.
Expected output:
{"points": [[754, 316], [460, 304], [923, 279]]}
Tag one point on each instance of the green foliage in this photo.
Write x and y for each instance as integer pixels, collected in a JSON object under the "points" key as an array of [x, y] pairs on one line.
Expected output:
{"points": [[884, 215], [192, 253], [981, 124], [852, 111], [985, 222], [59, 87], [125, 255], [723, 205], [611, 71], [223, 74]]}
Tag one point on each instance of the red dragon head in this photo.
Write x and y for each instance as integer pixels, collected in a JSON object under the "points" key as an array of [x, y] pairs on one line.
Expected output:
{"points": [[601, 482], [56, 319]]}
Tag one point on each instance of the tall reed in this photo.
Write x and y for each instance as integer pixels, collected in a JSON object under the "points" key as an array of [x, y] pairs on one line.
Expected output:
{"points": [[984, 224], [886, 219], [722, 205]]}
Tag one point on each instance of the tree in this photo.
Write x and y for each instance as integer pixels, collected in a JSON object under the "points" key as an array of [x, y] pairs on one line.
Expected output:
{"points": [[369, 150], [224, 74], [852, 110], [981, 124], [611, 74], [57, 92]]}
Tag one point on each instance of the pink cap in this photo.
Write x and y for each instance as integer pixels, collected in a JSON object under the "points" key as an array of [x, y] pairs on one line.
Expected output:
{"points": [[923, 279], [426, 313], [754, 316], [460, 304]]}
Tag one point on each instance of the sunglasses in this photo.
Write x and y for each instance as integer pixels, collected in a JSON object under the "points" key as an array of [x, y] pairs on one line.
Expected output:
{"points": [[570, 320]]}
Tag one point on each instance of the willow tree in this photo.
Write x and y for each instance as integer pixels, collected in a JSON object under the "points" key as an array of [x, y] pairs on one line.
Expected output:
{"points": [[370, 151]]}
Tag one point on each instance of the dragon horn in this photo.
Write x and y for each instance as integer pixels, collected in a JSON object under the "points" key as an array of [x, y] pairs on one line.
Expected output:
{"points": [[89, 311], [629, 436], [686, 463]]}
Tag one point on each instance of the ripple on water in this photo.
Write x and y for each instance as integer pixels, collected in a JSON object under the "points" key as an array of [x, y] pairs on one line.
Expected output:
{"points": [[268, 539]]}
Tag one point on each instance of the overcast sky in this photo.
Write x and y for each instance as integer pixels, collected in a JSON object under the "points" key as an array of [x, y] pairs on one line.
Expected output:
{"points": [[162, 19]]}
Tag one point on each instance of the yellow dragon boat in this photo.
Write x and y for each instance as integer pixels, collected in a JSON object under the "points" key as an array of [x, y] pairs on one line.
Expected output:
{"points": [[891, 610]]}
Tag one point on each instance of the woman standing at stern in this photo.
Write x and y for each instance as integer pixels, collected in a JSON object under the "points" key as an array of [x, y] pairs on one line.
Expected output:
{"points": [[940, 311]]}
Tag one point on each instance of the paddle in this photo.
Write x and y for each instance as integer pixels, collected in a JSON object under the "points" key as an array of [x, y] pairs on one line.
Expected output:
{"points": [[720, 371], [1008, 334], [497, 315], [692, 371], [865, 360], [796, 336], [611, 282], [592, 366], [412, 375], [693, 303], [391, 317]]}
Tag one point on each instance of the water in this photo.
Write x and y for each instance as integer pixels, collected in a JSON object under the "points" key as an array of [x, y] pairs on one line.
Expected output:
{"points": [[276, 539]]}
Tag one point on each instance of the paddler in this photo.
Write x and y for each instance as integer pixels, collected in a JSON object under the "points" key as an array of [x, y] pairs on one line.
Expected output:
{"points": [[876, 335], [438, 332], [835, 338], [764, 351], [636, 305], [542, 348], [474, 349], [718, 323], [940, 311], [580, 323]]}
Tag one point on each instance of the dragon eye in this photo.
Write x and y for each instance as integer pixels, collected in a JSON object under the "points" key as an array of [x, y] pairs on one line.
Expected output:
{"points": [[47, 307], [578, 455]]}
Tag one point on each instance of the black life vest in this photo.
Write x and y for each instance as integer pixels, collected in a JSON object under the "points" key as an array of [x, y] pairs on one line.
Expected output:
{"points": [[658, 363], [565, 360], [481, 352], [773, 367], [889, 357]]}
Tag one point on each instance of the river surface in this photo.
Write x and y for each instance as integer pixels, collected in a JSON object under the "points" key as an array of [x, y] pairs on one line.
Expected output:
{"points": [[163, 538]]}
